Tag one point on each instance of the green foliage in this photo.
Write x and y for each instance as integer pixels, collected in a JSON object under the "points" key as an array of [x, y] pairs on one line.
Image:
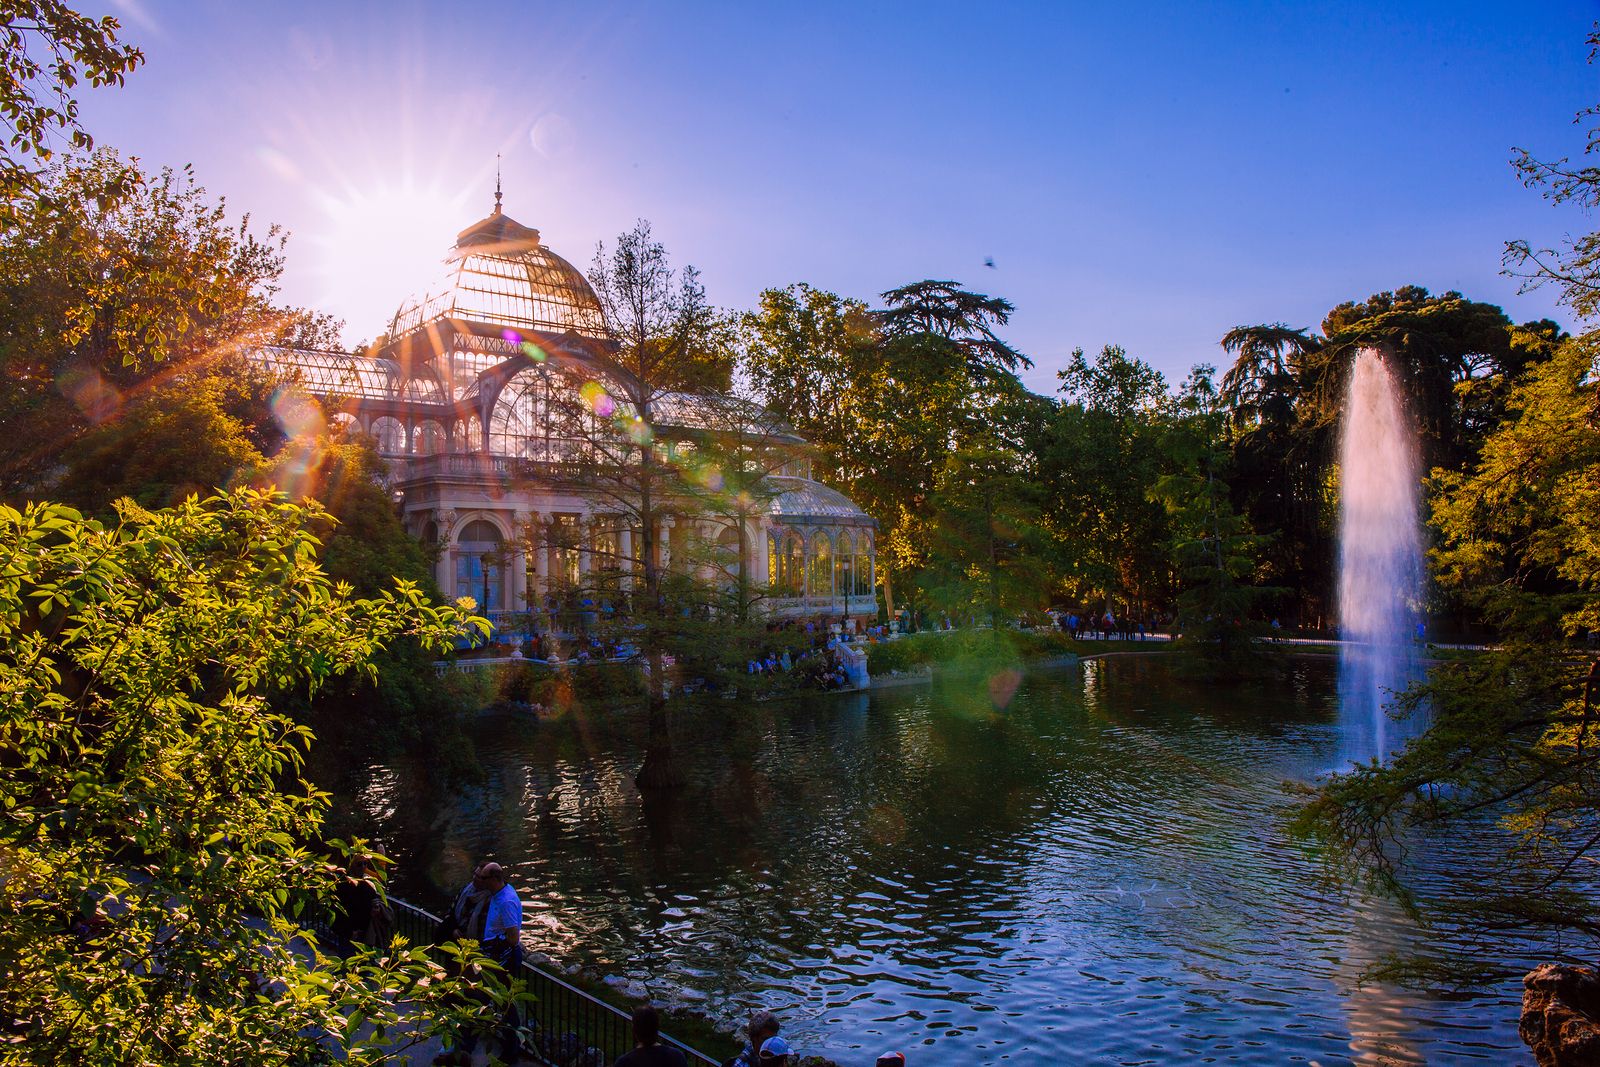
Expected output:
{"points": [[971, 649], [174, 440], [1102, 452], [1214, 549], [110, 281], [46, 50], [155, 833], [988, 551]]}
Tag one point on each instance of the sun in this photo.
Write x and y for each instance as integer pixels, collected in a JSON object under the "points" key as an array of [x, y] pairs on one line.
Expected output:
{"points": [[379, 245]]}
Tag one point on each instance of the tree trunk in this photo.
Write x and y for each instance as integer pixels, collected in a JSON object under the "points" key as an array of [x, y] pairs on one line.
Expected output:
{"points": [[660, 769], [888, 595]]}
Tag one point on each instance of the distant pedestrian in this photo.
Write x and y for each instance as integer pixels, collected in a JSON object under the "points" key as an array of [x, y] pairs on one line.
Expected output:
{"points": [[647, 1050]]}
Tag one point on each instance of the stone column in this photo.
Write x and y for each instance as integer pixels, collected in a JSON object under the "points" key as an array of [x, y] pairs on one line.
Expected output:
{"points": [[445, 569], [585, 546], [625, 561], [521, 525], [538, 533], [664, 543]]}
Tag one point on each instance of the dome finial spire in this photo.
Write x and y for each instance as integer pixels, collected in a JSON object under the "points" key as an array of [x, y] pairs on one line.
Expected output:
{"points": [[497, 183]]}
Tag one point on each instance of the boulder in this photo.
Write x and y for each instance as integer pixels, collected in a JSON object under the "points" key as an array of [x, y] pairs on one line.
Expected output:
{"points": [[1561, 1015]]}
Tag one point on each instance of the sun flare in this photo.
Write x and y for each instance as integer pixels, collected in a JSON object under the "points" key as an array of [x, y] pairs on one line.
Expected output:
{"points": [[380, 244]]}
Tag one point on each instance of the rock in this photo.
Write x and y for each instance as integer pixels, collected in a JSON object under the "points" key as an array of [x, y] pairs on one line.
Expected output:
{"points": [[541, 959], [1561, 1015]]}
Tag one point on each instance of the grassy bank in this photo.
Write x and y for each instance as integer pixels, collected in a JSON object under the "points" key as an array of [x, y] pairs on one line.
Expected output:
{"points": [[970, 649]]}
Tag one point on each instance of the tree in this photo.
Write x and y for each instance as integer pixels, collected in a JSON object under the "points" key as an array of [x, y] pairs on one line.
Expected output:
{"points": [[1574, 269], [1277, 470], [1513, 734], [1101, 454], [659, 319], [886, 396], [1513, 731], [100, 295], [156, 835], [988, 550], [46, 50], [172, 441], [1214, 550], [806, 354]]}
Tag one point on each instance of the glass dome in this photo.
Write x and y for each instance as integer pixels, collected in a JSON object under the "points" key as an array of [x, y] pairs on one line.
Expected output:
{"points": [[500, 274]]}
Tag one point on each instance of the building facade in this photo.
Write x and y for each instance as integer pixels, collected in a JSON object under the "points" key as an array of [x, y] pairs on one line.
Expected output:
{"points": [[470, 399]]}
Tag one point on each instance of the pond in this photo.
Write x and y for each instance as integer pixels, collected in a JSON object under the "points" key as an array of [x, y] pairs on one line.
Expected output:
{"points": [[1090, 868]]}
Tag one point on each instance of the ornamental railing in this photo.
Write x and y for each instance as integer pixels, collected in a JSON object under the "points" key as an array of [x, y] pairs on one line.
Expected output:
{"points": [[566, 1022]]}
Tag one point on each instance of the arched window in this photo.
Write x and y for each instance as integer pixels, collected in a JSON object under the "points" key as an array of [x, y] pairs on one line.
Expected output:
{"points": [[469, 435], [390, 435], [821, 583], [844, 565], [479, 565], [423, 389], [429, 438], [548, 416], [345, 423], [794, 566]]}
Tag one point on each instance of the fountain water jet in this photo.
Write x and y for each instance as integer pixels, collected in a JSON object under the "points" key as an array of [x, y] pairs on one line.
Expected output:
{"points": [[1380, 558]]}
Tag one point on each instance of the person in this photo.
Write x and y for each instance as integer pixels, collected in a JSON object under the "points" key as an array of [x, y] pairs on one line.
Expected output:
{"points": [[502, 920], [469, 910], [489, 911], [361, 918], [892, 1059], [763, 1025], [775, 1052], [647, 1050]]}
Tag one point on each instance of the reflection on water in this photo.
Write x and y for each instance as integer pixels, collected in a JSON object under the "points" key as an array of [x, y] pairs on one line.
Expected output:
{"points": [[1099, 873]]}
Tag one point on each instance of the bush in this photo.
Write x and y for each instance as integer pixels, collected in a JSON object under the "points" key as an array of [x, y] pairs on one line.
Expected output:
{"points": [[963, 649]]}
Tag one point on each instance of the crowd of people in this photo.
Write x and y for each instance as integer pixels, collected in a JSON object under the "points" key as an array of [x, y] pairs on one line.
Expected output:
{"points": [[823, 657], [1107, 626]]}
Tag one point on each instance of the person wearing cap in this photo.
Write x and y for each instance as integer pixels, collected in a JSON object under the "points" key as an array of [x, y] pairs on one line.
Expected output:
{"points": [[763, 1024], [502, 920], [892, 1059], [647, 1048], [775, 1052]]}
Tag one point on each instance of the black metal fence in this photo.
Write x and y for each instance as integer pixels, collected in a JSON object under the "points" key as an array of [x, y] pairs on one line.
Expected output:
{"points": [[569, 1026]]}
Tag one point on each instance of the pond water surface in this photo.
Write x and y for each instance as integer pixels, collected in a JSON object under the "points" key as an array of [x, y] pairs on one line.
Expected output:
{"points": [[1093, 868]]}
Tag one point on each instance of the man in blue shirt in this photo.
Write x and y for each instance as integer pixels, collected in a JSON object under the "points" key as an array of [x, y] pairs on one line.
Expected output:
{"points": [[502, 922]]}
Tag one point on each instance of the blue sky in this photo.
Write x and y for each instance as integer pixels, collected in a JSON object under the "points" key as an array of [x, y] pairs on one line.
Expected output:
{"points": [[1146, 175]]}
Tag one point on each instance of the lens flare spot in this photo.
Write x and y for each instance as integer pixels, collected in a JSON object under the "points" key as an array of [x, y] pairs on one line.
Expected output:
{"points": [[597, 400], [533, 352], [1003, 686], [97, 398]]}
